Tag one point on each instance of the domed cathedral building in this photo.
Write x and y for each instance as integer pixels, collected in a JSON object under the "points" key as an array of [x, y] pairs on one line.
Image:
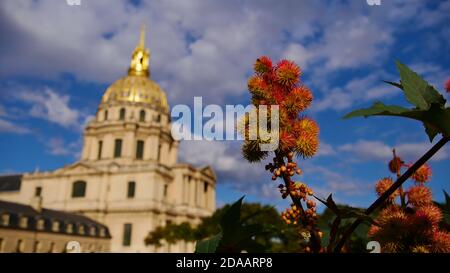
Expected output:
{"points": [[128, 178]]}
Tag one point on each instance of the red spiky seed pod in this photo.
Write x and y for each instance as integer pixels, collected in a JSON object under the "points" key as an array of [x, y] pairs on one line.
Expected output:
{"points": [[447, 86], [419, 196], [383, 185], [263, 65], [423, 174], [287, 73]]}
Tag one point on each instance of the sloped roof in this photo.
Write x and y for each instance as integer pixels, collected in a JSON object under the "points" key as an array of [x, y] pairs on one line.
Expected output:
{"points": [[16, 210], [9, 183]]}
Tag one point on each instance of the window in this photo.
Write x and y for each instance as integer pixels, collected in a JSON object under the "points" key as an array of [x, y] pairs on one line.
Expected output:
{"points": [[37, 246], [142, 116], [78, 189], [52, 247], [122, 114], [38, 191], [92, 231], [118, 148], [81, 229], [131, 189], [166, 188], [2, 242], [23, 223], [20, 246], [100, 147], [69, 228], [159, 151], [158, 118], [40, 224], [55, 226], [5, 219], [127, 234], [140, 149], [106, 115], [205, 187], [102, 232]]}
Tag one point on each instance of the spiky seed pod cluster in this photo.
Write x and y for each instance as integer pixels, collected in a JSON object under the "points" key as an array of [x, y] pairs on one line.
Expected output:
{"points": [[419, 196], [383, 185], [423, 174], [280, 85], [413, 226]]}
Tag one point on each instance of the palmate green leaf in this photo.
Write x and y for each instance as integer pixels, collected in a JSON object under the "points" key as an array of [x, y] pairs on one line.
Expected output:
{"points": [[418, 91], [208, 245], [436, 119]]}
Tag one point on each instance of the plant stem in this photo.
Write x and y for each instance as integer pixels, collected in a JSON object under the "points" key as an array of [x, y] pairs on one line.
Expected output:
{"points": [[391, 190], [315, 239]]}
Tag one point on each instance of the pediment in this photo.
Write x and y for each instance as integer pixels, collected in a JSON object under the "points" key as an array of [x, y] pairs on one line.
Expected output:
{"points": [[78, 168], [208, 171]]}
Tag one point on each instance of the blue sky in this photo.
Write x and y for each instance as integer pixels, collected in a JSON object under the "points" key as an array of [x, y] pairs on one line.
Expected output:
{"points": [[56, 61]]}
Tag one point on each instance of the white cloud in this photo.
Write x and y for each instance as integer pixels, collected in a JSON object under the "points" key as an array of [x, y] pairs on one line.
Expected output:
{"points": [[51, 106], [363, 150], [57, 146], [198, 47], [8, 127]]}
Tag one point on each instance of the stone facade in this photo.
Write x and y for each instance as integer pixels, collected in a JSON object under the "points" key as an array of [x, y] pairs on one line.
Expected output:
{"points": [[128, 177]]}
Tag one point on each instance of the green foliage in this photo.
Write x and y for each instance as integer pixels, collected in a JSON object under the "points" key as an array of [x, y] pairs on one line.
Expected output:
{"points": [[429, 104], [277, 235], [236, 235], [336, 219], [209, 245]]}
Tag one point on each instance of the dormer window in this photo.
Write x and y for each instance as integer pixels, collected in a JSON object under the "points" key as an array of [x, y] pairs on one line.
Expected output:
{"points": [[102, 232], [55, 226], [5, 220], [23, 222], [40, 224], [92, 231], [69, 228], [81, 230]]}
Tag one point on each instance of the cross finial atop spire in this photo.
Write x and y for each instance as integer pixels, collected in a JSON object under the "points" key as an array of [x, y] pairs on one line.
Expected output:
{"points": [[142, 37], [140, 60]]}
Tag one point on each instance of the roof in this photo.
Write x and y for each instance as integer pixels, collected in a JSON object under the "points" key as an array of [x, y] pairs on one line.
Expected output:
{"points": [[16, 211], [10, 183]]}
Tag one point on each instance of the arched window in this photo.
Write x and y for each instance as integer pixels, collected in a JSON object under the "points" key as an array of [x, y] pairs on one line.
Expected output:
{"points": [[78, 189], [142, 116], [122, 114], [106, 114]]}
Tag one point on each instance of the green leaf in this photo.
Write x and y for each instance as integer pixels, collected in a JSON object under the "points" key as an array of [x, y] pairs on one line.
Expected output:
{"points": [[208, 245], [231, 218], [379, 109], [330, 204], [435, 119], [418, 91], [398, 85]]}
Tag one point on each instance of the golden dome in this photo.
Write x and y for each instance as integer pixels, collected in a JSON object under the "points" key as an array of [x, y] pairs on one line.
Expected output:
{"points": [[137, 86], [136, 89]]}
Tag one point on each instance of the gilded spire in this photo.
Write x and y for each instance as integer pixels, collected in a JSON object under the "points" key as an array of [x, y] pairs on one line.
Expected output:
{"points": [[139, 65]]}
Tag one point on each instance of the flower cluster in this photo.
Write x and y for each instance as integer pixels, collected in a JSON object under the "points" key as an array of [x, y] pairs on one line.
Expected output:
{"points": [[280, 85], [414, 224]]}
